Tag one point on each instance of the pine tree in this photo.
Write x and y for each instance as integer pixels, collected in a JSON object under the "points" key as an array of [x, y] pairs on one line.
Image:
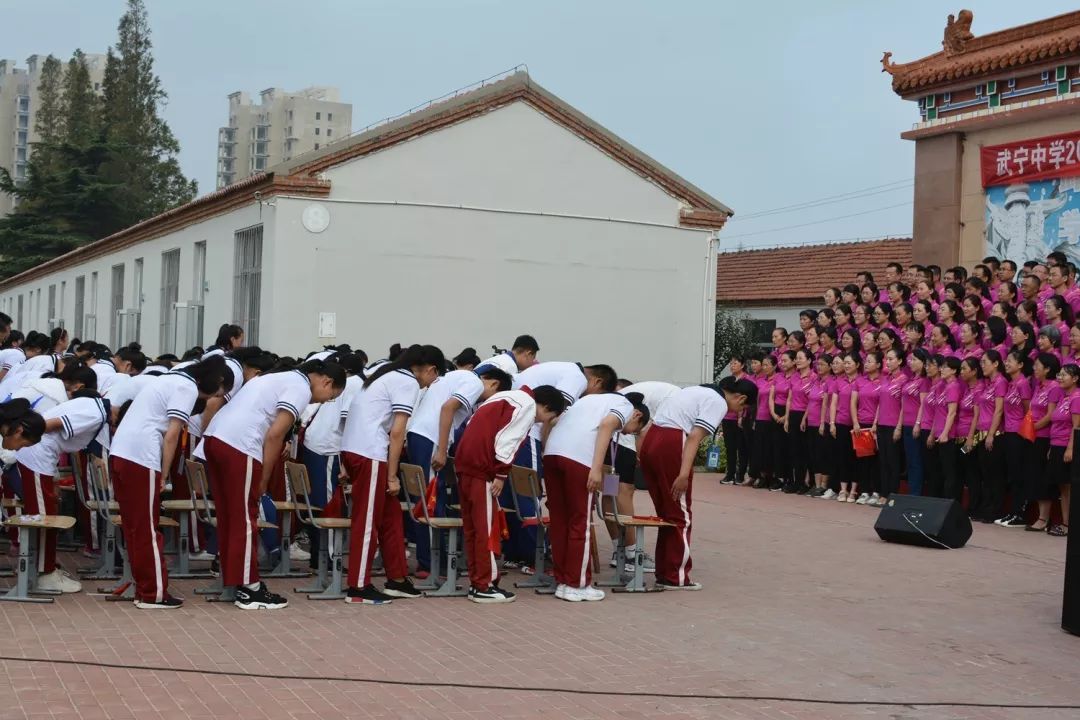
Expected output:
{"points": [[81, 124], [146, 150], [50, 110]]}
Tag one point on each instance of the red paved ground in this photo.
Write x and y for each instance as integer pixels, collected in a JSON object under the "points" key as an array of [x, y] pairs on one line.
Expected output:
{"points": [[801, 600]]}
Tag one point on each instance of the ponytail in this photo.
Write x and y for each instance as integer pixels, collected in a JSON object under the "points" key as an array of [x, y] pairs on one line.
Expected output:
{"points": [[335, 372], [414, 356]]}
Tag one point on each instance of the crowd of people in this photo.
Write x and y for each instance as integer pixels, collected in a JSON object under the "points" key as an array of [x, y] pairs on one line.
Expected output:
{"points": [[951, 380], [244, 412]]}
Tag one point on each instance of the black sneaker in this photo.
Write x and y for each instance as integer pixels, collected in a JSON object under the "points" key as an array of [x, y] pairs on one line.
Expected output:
{"points": [[1014, 521], [494, 594], [215, 567], [727, 480], [761, 484], [367, 595], [790, 488], [403, 589], [261, 599], [167, 603], [776, 486]]}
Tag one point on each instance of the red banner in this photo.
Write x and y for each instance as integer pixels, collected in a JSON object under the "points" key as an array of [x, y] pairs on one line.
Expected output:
{"points": [[1042, 158]]}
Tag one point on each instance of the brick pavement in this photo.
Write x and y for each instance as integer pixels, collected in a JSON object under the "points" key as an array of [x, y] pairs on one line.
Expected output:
{"points": [[801, 600]]}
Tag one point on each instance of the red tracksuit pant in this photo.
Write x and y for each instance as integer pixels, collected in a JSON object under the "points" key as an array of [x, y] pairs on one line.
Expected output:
{"points": [[376, 521], [234, 482], [137, 490], [661, 457], [477, 507], [39, 498], [570, 506]]}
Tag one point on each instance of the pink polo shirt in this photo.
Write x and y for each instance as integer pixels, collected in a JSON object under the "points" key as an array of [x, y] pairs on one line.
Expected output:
{"points": [[965, 410], [1073, 298], [913, 390], [817, 394], [869, 391], [947, 394], [1042, 394], [782, 383], [1061, 421], [969, 352], [991, 391], [1018, 393], [763, 384], [800, 390], [890, 400], [842, 392]]}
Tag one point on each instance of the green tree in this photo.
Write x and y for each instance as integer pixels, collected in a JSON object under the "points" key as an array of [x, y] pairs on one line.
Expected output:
{"points": [[732, 337], [49, 117], [82, 117], [145, 148]]}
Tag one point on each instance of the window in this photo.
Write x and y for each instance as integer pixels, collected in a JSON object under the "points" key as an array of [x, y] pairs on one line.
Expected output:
{"points": [[316, 131], [19, 319], [52, 306], [24, 122], [116, 303], [329, 132], [318, 116], [760, 332], [21, 138], [329, 118], [80, 304], [90, 324], [170, 291], [63, 299], [316, 146], [137, 297], [24, 104], [247, 285]]}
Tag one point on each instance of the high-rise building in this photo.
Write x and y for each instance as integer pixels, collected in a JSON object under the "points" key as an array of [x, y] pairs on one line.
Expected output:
{"points": [[18, 109], [282, 126]]}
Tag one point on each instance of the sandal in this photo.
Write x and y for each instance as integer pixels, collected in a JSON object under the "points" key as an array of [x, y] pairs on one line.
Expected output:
{"points": [[1044, 528], [1058, 530]]}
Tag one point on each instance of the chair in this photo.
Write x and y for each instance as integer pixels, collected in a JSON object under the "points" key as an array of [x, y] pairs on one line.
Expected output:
{"points": [[106, 569], [622, 522], [414, 480], [525, 483], [331, 545], [30, 528]]}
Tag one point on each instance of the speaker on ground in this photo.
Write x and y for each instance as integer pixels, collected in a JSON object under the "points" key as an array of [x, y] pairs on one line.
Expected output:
{"points": [[925, 521]]}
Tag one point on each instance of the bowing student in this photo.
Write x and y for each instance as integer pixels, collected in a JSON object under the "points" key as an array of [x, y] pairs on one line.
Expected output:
{"points": [[442, 410], [241, 446], [11, 354], [482, 461], [51, 389], [371, 449], [667, 459], [142, 454], [578, 447], [69, 427]]}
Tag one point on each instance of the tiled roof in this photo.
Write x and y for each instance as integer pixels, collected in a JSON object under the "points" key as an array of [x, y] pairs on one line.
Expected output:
{"points": [[801, 274], [1044, 43]]}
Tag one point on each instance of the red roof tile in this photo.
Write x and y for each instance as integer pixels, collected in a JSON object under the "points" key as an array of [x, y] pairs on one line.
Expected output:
{"points": [[1044, 42], [801, 273]]}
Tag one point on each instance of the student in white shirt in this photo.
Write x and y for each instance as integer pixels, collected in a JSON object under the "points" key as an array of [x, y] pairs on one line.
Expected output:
{"points": [[667, 455], [12, 355], [320, 447], [521, 355], [371, 448], [20, 426], [126, 362], [69, 428], [442, 411], [573, 381], [48, 391], [229, 339], [241, 446], [142, 455], [38, 362], [653, 395], [577, 448]]}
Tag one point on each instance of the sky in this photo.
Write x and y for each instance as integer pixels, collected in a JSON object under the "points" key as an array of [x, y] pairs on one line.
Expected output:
{"points": [[764, 106]]}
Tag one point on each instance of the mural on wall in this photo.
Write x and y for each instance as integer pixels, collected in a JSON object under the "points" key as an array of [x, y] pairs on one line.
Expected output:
{"points": [[1027, 221], [1033, 197]]}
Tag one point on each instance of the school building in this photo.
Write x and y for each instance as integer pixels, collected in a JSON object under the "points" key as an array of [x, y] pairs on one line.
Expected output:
{"points": [[498, 211]]}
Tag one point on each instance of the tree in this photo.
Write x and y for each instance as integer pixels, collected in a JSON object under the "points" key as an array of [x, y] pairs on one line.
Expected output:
{"points": [[145, 148], [732, 338], [49, 118], [82, 117]]}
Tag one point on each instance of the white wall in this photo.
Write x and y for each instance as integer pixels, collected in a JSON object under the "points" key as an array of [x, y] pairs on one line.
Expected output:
{"points": [[511, 158], [216, 232], [629, 295]]}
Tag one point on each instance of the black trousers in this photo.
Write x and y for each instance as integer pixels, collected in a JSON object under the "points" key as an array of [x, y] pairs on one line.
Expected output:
{"points": [[732, 443], [781, 450], [867, 473], [890, 452], [844, 457], [761, 452], [798, 444], [1018, 452], [993, 472], [746, 433], [942, 471], [971, 477], [1035, 483]]}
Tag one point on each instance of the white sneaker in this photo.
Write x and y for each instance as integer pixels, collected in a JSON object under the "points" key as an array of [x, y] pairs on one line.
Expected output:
{"points": [[560, 591], [298, 553], [572, 594], [862, 499], [648, 563], [591, 594], [828, 494], [612, 563], [57, 581], [200, 557], [841, 496]]}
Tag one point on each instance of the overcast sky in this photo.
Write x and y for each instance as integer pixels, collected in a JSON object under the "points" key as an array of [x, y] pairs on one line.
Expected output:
{"points": [[763, 105]]}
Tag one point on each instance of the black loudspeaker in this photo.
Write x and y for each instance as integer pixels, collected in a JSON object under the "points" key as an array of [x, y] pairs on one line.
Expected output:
{"points": [[926, 521], [1070, 610]]}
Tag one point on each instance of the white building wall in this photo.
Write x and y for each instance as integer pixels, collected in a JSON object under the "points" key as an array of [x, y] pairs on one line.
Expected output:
{"points": [[513, 158], [630, 295]]}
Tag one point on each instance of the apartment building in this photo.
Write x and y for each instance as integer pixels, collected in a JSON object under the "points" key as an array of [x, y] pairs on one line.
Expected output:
{"points": [[18, 107], [281, 126]]}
